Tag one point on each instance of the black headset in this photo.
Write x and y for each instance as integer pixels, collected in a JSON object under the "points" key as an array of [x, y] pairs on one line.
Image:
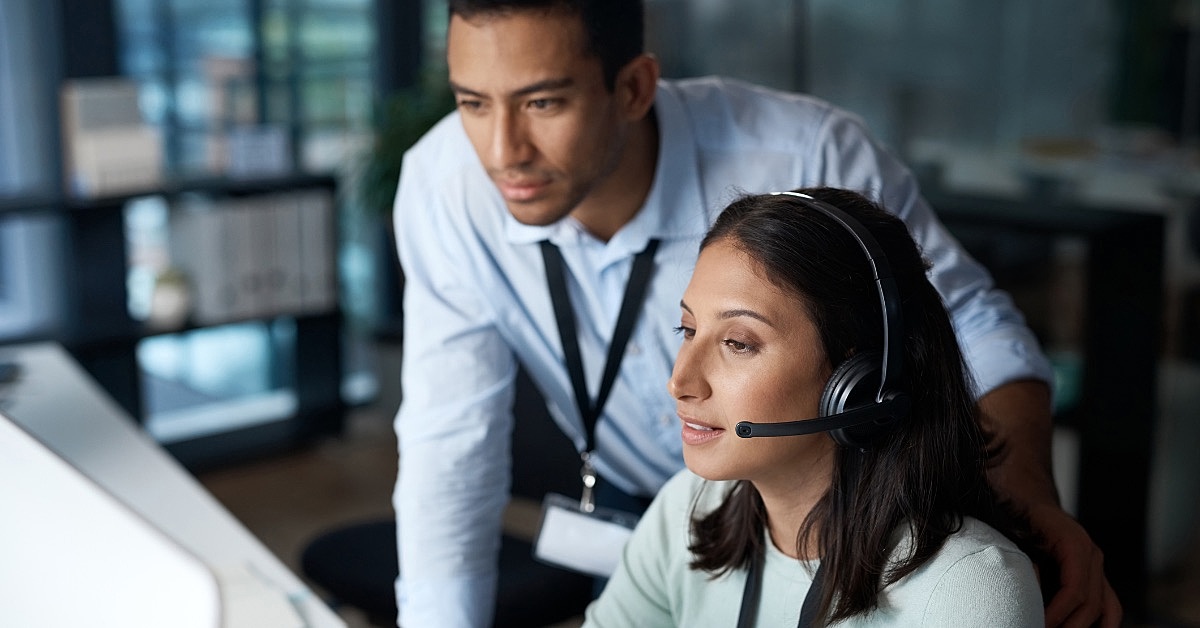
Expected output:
{"points": [[863, 398]]}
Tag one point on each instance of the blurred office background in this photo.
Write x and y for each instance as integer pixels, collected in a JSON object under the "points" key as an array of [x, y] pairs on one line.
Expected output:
{"points": [[1049, 131]]}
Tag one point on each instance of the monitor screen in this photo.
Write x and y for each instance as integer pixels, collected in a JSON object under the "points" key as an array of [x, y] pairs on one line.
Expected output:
{"points": [[72, 554]]}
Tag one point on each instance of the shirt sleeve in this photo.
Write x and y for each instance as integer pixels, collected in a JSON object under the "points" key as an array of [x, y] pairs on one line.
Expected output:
{"points": [[990, 587], [455, 420], [997, 344]]}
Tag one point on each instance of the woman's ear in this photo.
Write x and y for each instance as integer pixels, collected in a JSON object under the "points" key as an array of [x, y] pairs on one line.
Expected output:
{"points": [[636, 84]]}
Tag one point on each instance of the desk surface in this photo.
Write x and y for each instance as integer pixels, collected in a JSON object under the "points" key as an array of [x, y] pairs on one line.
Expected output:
{"points": [[55, 400]]}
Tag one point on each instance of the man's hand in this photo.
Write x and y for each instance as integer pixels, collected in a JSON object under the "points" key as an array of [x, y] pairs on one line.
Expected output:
{"points": [[1018, 415], [1080, 572]]}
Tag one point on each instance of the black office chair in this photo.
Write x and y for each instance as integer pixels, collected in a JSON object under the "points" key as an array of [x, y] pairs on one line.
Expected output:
{"points": [[356, 564]]}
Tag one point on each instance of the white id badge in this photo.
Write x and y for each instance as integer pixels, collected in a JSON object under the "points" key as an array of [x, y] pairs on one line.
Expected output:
{"points": [[588, 542]]}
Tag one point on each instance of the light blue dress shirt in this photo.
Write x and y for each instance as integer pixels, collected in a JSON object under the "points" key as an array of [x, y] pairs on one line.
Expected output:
{"points": [[476, 303]]}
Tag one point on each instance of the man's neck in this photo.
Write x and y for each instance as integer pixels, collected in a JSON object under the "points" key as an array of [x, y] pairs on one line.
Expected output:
{"points": [[615, 202]]}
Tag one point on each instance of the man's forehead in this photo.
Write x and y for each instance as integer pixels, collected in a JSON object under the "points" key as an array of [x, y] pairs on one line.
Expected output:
{"points": [[512, 52], [529, 26]]}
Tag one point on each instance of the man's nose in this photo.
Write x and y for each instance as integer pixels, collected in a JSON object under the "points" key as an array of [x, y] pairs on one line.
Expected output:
{"points": [[510, 141]]}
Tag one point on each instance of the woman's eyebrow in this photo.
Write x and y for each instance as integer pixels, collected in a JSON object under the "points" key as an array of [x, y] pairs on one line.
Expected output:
{"points": [[735, 313]]}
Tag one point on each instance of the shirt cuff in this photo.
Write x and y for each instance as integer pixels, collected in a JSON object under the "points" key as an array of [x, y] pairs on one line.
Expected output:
{"points": [[459, 602], [1007, 356]]}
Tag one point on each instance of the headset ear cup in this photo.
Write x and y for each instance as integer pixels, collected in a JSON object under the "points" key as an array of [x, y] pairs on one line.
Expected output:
{"points": [[853, 384]]}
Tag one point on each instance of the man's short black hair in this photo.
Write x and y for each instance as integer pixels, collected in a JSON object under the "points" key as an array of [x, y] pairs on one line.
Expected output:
{"points": [[615, 28]]}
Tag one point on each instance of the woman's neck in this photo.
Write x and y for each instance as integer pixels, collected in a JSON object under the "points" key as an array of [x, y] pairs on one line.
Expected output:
{"points": [[788, 502]]}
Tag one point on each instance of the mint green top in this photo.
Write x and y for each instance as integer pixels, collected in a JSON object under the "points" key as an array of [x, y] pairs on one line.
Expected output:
{"points": [[979, 578]]}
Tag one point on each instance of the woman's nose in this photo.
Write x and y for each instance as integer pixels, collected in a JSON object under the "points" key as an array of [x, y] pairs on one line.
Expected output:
{"points": [[687, 378]]}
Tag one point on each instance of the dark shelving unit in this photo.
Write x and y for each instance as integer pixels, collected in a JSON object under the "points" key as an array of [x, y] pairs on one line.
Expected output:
{"points": [[1120, 345], [101, 334], [97, 326]]}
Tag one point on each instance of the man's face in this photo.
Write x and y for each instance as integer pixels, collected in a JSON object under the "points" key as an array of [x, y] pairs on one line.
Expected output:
{"points": [[535, 108]]}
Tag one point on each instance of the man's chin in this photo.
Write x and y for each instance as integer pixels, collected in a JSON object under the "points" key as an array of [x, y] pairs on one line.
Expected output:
{"points": [[536, 214]]}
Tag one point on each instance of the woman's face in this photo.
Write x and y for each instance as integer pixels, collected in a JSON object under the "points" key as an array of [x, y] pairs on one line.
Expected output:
{"points": [[750, 352]]}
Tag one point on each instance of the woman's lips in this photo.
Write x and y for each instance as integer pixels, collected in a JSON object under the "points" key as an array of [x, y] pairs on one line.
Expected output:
{"points": [[697, 433]]}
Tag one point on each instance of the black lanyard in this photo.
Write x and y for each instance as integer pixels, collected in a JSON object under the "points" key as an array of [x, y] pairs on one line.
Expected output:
{"points": [[635, 294], [753, 591]]}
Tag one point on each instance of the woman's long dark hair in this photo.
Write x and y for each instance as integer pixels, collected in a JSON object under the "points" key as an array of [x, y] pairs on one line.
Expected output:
{"points": [[928, 472]]}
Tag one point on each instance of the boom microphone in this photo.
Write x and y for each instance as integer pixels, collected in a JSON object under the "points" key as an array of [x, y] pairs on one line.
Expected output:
{"points": [[881, 412]]}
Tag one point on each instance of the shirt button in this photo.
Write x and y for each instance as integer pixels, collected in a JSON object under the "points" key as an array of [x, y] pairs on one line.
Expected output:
{"points": [[633, 349]]}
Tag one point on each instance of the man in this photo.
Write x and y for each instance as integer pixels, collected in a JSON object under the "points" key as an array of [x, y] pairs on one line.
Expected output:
{"points": [[564, 133]]}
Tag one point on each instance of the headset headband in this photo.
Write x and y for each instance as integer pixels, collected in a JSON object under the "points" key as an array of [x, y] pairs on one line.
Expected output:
{"points": [[889, 298]]}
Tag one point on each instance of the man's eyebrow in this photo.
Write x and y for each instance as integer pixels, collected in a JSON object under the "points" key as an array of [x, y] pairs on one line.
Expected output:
{"points": [[546, 85], [540, 86], [459, 89]]}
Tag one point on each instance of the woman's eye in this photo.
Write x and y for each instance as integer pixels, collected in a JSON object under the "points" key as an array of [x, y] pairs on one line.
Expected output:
{"points": [[687, 332], [738, 346]]}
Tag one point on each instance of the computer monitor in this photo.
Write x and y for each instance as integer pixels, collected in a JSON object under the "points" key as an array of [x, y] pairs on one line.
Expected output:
{"points": [[72, 554]]}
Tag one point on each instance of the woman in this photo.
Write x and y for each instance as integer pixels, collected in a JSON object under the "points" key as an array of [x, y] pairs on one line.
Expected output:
{"points": [[792, 313]]}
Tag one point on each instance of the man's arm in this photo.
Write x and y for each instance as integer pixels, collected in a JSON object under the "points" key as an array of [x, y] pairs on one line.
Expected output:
{"points": [[1019, 416], [454, 422]]}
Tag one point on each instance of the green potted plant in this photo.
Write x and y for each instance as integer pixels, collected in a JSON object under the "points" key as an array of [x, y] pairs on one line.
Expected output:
{"points": [[402, 118]]}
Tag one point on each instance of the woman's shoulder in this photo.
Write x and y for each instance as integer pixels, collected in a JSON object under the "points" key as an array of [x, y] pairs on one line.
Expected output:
{"points": [[979, 550], [978, 574], [974, 535]]}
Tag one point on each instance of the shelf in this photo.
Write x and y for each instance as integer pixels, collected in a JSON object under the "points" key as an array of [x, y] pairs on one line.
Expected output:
{"points": [[1031, 215], [28, 204], [136, 331], [229, 186]]}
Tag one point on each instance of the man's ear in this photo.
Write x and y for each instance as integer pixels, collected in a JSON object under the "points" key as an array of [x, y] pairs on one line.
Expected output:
{"points": [[636, 84]]}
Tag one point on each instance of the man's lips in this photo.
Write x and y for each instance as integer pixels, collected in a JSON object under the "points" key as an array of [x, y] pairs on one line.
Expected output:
{"points": [[521, 190]]}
